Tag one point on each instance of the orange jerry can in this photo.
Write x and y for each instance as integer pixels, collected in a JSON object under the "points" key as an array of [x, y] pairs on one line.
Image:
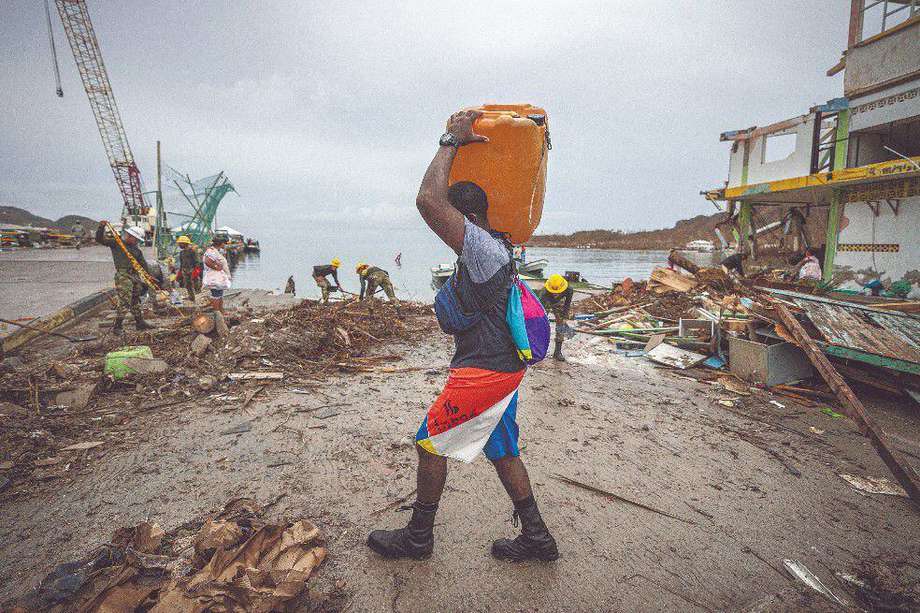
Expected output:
{"points": [[510, 168]]}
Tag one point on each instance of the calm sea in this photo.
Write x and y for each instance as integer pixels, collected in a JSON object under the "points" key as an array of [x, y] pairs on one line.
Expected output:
{"points": [[294, 251]]}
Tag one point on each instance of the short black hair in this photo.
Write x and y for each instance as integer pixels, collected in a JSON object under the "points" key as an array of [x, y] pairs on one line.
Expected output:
{"points": [[218, 239], [468, 198]]}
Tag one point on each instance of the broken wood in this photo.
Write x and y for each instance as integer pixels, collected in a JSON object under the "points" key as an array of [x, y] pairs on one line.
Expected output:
{"points": [[852, 406], [681, 260], [598, 490], [251, 395], [203, 323], [256, 376]]}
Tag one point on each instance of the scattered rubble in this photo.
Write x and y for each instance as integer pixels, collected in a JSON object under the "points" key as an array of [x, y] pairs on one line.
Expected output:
{"points": [[768, 338], [52, 401]]}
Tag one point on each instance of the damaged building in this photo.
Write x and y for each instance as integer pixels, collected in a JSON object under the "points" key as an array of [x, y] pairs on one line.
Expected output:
{"points": [[854, 162]]}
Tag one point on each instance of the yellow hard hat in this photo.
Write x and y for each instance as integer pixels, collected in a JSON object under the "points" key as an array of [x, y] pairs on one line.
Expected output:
{"points": [[556, 284], [183, 240], [360, 267], [336, 262]]}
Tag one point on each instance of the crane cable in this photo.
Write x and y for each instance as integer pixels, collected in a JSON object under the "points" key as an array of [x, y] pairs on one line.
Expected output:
{"points": [[54, 58], [141, 271]]}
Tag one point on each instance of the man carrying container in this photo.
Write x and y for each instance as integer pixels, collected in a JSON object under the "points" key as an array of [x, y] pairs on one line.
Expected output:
{"points": [[556, 297], [371, 278], [322, 271], [128, 284], [477, 410], [188, 263]]}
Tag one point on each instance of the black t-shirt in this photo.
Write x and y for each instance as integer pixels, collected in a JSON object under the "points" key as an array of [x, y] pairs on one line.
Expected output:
{"points": [[485, 274]]}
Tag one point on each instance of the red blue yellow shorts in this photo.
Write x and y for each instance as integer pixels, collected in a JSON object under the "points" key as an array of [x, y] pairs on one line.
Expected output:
{"points": [[477, 411]]}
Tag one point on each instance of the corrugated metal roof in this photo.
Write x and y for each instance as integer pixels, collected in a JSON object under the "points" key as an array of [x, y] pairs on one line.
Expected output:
{"points": [[894, 335]]}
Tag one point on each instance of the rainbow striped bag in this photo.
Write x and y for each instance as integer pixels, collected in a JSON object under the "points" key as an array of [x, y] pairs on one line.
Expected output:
{"points": [[527, 322]]}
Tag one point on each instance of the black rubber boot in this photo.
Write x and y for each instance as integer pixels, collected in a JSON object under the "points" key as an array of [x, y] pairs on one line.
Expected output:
{"points": [[140, 324], [558, 353], [534, 543], [414, 541]]}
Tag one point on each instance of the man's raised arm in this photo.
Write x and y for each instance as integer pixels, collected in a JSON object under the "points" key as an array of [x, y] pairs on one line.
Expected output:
{"points": [[432, 202]]}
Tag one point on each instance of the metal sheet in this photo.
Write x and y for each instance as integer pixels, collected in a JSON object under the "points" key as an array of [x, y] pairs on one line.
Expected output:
{"points": [[891, 335]]}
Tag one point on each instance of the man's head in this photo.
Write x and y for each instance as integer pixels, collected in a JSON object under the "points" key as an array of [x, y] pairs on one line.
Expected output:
{"points": [[335, 263], [218, 240], [183, 242], [133, 235], [471, 201]]}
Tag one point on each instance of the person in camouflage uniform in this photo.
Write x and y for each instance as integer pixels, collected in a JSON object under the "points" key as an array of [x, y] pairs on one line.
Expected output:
{"points": [[373, 277], [128, 283], [556, 297], [188, 262], [321, 271]]}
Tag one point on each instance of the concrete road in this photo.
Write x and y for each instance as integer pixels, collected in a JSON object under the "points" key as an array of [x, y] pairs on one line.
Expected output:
{"points": [[36, 282]]}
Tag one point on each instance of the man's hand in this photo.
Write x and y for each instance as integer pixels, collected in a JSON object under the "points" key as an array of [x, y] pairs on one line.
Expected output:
{"points": [[460, 125]]}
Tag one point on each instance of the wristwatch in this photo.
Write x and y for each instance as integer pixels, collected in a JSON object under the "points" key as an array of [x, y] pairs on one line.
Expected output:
{"points": [[449, 140]]}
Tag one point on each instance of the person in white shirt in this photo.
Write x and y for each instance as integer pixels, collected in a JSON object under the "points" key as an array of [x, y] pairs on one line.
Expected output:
{"points": [[216, 273]]}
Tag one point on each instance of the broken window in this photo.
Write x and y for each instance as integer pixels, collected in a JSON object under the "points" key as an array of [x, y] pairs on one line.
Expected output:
{"points": [[877, 16], [778, 146]]}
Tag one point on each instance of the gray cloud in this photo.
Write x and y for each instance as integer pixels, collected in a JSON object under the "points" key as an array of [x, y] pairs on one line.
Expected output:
{"points": [[327, 110]]}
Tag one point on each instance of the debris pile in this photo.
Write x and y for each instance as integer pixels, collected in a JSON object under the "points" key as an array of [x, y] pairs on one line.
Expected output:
{"points": [[88, 396], [235, 561], [768, 338]]}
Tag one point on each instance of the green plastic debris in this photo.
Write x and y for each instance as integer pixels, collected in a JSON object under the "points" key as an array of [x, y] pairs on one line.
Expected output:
{"points": [[831, 412], [115, 360]]}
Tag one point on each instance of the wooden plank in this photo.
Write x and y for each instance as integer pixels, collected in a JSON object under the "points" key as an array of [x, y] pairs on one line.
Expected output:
{"points": [[852, 406], [873, 359]]}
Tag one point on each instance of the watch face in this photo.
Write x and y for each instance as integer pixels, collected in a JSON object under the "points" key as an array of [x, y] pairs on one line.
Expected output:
{"points": [[448, 139]]}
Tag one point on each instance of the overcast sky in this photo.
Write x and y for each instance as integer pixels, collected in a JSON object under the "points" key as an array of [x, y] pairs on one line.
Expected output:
{"points": [[331, 110]]}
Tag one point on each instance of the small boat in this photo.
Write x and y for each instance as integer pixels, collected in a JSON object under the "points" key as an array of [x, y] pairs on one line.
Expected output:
{"points": [[533, 268], [527, 270]]}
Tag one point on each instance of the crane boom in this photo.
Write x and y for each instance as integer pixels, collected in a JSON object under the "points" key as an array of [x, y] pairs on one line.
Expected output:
{"points": [[86, 53]]}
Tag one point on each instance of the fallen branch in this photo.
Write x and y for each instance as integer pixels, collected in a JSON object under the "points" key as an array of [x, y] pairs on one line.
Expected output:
{"points": [[598, 490]]}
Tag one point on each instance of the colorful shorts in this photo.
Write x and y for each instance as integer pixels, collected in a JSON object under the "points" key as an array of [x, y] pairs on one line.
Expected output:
{"points": [[476, 412]]}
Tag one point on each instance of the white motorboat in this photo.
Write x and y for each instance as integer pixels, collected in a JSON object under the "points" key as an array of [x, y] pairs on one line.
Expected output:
{"points": [[528, 270]]}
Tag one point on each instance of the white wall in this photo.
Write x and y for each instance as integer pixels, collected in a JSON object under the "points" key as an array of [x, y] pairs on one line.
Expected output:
{"points": [[902, 229], [797, 164]]}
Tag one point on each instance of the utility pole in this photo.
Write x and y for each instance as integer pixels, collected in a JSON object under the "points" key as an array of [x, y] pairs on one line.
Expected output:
{"points": [[160, 216]]}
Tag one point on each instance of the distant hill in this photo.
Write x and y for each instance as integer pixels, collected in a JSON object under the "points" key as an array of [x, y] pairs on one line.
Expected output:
{"points": [[21, 217], [684, 231]]}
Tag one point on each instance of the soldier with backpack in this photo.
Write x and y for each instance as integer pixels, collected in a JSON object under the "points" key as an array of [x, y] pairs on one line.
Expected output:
{"points": [[476, 411]]}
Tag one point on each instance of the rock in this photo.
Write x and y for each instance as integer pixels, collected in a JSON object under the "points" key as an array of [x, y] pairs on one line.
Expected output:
{"points": [[200, 345], [77, 398], [145, 366], [207, 382], [220, 325]]}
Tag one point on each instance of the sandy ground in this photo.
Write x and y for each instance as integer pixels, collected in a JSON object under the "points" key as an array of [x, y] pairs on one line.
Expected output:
{"points": [[618, 423], [36, 282]]}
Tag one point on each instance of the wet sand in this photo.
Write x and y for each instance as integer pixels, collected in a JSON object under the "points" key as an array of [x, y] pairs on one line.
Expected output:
{"points": [[617, 423]]}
